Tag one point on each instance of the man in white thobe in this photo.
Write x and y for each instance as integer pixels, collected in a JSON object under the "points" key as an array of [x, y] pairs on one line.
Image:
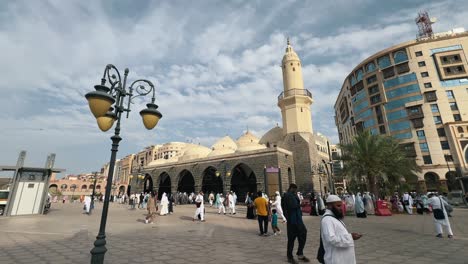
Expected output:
{"points": [[200, 209], [232, 203], [277, 205], [87, 202], [211, 199], [437, 203], [337, 242], [221, 207], [408, 203]]}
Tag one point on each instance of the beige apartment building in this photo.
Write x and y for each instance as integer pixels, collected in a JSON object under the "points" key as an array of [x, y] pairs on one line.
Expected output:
{"points": [[417, 92]]}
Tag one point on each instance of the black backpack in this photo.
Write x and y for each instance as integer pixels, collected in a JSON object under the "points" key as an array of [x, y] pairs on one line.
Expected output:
{"points": [[321, 250]]}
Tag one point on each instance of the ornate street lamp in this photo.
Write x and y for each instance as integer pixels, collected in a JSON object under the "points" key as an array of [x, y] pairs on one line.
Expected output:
{"points": [[107, 104]]}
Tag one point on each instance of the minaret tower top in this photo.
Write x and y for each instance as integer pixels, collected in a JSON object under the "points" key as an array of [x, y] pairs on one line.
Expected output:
{"points": [[292, 69]]}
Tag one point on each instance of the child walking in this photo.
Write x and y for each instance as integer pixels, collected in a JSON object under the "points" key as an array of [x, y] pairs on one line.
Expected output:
{"points": [[274, 223]]}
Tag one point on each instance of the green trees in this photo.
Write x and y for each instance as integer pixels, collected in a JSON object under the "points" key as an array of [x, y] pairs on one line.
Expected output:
{"points": [[377, 161]]}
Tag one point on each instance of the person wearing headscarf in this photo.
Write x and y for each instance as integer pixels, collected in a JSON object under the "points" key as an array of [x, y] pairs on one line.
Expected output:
{"points": [[250, 206], [216, 203], [320, 204], [349, 204], [151, 207], [164, 205], [277, 205], [171, 203], [313, 205], [360, 211], [368, 204]]}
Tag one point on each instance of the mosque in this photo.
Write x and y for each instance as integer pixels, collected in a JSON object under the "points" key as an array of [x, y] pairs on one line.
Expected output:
{"points": [[292, 153]]}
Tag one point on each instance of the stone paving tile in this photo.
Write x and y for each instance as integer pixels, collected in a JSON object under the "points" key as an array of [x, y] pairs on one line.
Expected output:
{"points": [[66, 235]]}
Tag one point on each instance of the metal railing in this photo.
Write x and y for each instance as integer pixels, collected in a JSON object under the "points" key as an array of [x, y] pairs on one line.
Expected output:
{"points": [[293, 92]]}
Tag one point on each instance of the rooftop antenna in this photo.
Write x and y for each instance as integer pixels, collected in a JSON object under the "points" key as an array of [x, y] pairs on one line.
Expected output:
{"points": [[424, 23]]}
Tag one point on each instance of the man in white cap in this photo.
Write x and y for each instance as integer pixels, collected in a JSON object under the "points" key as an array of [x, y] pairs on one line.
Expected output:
{"points": [[336, 243], [277, 205]]}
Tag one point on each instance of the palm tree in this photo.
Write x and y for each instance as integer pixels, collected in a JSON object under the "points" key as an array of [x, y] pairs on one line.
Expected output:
{"points": [[377, 160]]}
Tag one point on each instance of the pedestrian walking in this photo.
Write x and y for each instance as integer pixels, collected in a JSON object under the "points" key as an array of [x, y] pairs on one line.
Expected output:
{"points": [[200, 207], [336, 243], [151, 208], [295, 226], [274, 222], [221, 202], [261, 204], [164, 205], [440, 215]]}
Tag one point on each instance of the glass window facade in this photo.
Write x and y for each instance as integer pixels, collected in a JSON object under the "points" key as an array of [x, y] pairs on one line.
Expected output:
{"points": [[399, 126], [384, 62], [437, 120], [434, 108], [412, 88], [400, 80], [457, 117], [424, 147], [373, 89], [450, 94], [453, 106], [364, 114], [401, 102], [359, 74], [353, 80], [449, 48], [371, 79], [359, 96], [427, 159], [406, 135], [421, 134], [397, 115], [444, 144], [400, 56], [424, 74], [358, 107], [370, 67], [368, 123]]}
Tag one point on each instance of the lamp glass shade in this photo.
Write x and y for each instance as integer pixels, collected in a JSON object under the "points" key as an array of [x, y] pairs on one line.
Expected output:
{"points": [[99, 102], [150, 116], [105, 122]]}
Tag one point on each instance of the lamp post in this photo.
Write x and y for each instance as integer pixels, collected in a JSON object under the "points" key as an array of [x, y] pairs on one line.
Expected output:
{"points": [[107, 104], [94, 193], [73, 192]]}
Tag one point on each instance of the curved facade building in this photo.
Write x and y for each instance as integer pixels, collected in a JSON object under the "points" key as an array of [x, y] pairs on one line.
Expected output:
{"points": [[417, 92]]}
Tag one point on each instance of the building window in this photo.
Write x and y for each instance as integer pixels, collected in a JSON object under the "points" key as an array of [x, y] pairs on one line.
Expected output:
{"points": [[424, 74], [453, 106], [370, 67], [375, 99], [431, 96], [441, 132], [427, 159], [434, 108], [389, 72], [371, 79], [373, 89], [428, 85], [418, 53], [437, 120], [421, 63], [421, 134], [444, 144], [450, 94], [460, 129], [457, 117], [424, 147]]}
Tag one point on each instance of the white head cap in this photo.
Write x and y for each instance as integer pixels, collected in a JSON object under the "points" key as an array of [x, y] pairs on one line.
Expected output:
{"points": [[333, 198], [277, 192]]}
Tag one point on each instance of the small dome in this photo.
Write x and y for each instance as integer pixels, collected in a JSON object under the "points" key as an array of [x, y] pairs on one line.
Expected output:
{"points": [[223, 146], [272, 137], [195, 152], [248, 142], [290, 54]]}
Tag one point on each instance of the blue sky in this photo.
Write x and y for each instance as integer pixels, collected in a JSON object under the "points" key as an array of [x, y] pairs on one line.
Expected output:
{"points": [[215, 65]]}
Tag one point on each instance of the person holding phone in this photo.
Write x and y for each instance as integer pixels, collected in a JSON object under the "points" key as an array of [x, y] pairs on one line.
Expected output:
{"points": [[336, 243]]}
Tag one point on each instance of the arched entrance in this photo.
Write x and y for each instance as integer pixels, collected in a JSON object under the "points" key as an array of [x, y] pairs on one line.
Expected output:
{"points": [[212, 182], [164, 184], [243, 180], [186, 182], [432, 181], [147, 183], [84, 188], [121, 190], [452, 183], [53, 189]]}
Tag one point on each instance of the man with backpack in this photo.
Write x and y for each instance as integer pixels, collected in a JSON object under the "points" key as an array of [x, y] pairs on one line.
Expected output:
{"points": [[295, 226], [336, 243]]}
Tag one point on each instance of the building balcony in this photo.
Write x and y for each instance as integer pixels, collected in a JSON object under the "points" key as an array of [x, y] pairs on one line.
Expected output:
{"points": [[294, 92]]}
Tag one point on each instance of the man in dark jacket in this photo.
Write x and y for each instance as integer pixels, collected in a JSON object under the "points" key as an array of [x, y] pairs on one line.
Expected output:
{"points": [[295, 225]]}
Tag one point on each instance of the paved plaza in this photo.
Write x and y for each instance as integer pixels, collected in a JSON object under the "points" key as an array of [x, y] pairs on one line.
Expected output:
{"points": [[66, 235]]}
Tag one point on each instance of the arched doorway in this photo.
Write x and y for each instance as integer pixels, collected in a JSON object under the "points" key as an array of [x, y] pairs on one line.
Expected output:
{"points": [[186, 182], [53, 189], [452, 182], [164, 184], [147, 183], [243, 180], [432, 181], [212, 182], [121, 190], [84, 188]]}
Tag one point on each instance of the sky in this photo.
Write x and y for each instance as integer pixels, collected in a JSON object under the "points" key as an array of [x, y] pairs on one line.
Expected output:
{"points": [[215, 65]]}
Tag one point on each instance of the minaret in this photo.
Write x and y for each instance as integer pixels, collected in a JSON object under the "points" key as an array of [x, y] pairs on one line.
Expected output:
{"points": [[295, 101]]}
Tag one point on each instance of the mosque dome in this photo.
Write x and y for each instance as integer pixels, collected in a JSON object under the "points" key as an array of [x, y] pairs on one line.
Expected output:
{"points": [[248, 142], [195, 152], [223, 146], [290, 54], [272, 137]]}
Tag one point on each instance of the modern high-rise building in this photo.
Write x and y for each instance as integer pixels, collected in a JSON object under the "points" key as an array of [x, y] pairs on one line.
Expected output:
{"points": [[417, 92]]}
